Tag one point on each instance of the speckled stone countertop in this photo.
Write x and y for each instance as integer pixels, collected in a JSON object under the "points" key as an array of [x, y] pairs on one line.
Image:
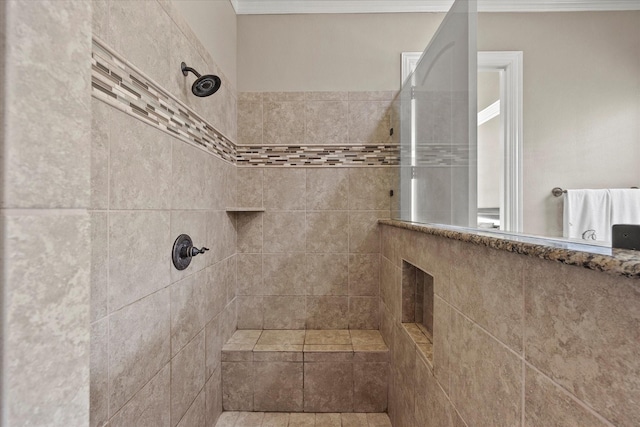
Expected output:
{"points": [[619, 262]]}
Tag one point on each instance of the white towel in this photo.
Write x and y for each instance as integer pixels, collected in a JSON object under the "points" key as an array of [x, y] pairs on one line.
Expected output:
{"points": [[625, 206], [587, 215]]}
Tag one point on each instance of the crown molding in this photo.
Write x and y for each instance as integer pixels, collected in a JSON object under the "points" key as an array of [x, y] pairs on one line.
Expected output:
{"points": [[271, 7]]}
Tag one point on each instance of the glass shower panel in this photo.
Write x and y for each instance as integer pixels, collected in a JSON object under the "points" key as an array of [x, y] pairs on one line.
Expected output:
{"points": [[438, 126]]}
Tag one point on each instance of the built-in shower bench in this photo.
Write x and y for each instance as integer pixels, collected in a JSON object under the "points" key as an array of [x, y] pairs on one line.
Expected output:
{"points": [[305, 371]]}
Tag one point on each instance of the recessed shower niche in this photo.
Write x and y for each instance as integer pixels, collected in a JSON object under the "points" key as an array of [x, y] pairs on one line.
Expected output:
{"points": [[417, 307]]}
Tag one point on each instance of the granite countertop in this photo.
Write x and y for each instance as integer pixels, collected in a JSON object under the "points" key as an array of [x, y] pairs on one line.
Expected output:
{"points": [[619, 262]]}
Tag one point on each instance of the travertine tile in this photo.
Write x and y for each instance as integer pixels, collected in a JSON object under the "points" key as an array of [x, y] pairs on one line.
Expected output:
{"points": [[249, 228], [327, 312], [548, 404], [390, 291], [338, 336], [328, 420], [284, 274], [99, 379], [99, 264], [100, 133], [138, 258], [284, 348], [246, 336], [577, 332], [250, 312], [364, 232], [188, 310], [380, 95], [370, 385], [326, 122], [278, 386], [327, 231], [326, 96], [139, 165], [187, 377], [354, 420], [378, 420], [432, 407], [282, 338], [327, 189], [283, 122], [275, 419], [302, 420], [228, 419], [237, 386], [284, 312], [331, 353], [284, 232], [250, 186], [250, 96], [285, 189], [328, 387], [326, 274], [139, 346], [229, 323], [150, 406], [366, 337], [278, 356], [283, 96], [487, 287], [250, 274], [250, 123], [369, 189], [441, 342], [213, 397], [328, 348], [250, 419], [364, 313], [369, 121], [196, 415], [486, 378], [364, 274], [216, 289]]}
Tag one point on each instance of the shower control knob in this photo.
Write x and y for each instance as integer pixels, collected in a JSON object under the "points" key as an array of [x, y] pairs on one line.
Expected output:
{"points": [[183, 251], [195, 251]]}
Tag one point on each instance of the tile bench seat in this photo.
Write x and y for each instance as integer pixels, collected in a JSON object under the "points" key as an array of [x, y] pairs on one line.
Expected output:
{"points": [[305, 371]]}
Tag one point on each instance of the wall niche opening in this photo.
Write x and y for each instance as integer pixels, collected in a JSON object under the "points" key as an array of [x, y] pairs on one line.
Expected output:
{"points": [[417, 307]]}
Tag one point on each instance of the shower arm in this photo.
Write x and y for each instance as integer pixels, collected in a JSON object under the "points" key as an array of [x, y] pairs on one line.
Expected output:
{"points": [[186, 70]]}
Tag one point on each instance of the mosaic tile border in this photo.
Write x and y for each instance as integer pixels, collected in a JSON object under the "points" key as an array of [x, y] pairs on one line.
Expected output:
{"points": [[120, 84], [123, 86]]}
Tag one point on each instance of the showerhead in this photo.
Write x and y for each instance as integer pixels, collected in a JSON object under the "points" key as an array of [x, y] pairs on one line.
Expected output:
{"points": [[204, 85]]}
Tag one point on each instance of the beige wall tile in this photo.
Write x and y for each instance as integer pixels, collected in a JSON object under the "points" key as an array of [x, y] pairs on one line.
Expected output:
{"points": [[284, 232], [326, 122], [487, 287], [139, 346], [237, 386], [579, 325], [250, 419], [302, 420], [213, 397], [369, 121], [379, 95], [99, 264], [336, 336], [283, 122], [216, 290], [370, 387], [283, 96], [354, 420], [250, 97], [212, 345], [327, 189], [284, 312], [196, 415], [327, 232], [486, 378], [284, 274], [328, 420], [250, 312], [548, 404], [390, 291], [250, 124], [99, 368], [249, 229], [250, 274], [432, 406], [441, 342], [328, 387], [326, 274], [378, 420], [364, 274], [274, 419], [139, 164], [138, 255], [250, 186], [229, 321], [278, 386], [285, 189], [326, 96], [228, 419], [369, 188], [282, 337], [364, 313], [100, 137], [189, 167], [327, 312], [150, 406], [188, 310], [364, 232]]}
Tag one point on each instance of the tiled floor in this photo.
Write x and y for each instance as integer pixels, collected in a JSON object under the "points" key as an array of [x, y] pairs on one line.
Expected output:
{"points": [[296, 419]]}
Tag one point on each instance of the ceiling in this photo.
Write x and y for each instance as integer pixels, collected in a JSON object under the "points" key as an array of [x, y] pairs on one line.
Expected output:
{"points": [[269, 7]]}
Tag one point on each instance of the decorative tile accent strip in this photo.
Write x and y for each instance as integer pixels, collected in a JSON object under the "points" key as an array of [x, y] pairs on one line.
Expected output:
{"points": [[121, 85], [311, 155], [437, 155]]}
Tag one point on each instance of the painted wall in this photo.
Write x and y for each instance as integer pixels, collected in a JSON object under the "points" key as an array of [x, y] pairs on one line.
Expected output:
{"points": [[45, 139], [518, 341], [156, 332], [214, 22]]}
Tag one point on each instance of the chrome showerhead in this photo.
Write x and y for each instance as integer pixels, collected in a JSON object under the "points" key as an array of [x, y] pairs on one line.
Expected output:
{"points": [[204, 85]]}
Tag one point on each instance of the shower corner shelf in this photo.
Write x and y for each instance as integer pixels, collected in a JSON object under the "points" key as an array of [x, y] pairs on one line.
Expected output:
{"points": [[241, 209]]}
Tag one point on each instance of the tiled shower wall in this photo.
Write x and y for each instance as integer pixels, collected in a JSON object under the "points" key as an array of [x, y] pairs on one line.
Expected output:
{"points": [[156, 333], [518, 341], [311, 259]]}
